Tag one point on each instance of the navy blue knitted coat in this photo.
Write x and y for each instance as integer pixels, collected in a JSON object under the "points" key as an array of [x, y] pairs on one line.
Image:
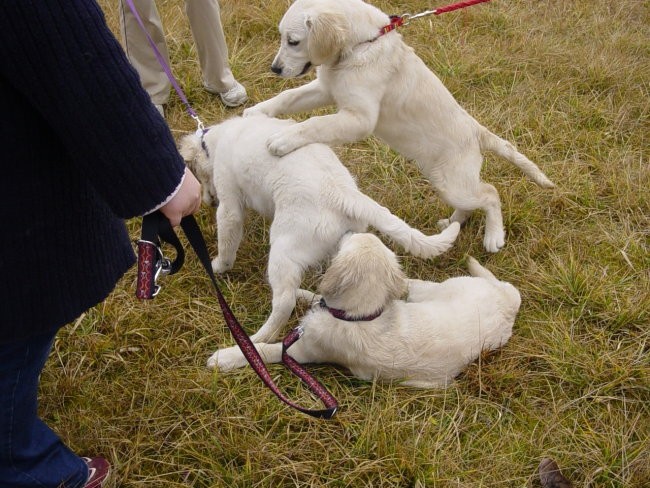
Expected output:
{"points": [[82, 148]]}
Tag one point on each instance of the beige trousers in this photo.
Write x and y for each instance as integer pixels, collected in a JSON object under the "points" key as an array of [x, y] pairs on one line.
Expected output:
{"points": [[205, 23]]}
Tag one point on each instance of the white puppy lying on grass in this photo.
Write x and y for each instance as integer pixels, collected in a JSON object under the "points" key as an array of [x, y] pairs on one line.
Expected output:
{"points": [[424, 341], [310, 195], [380, 86]]}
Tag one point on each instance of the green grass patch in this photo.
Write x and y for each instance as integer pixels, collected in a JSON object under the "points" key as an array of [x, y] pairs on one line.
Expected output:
{"points": [[568, 83]]}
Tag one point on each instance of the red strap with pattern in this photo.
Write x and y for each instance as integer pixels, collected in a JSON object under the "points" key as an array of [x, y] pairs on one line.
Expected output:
{"points": [[145, 283]]}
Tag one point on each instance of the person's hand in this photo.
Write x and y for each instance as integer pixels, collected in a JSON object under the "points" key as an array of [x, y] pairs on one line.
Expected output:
{"points": [[186, 201]]}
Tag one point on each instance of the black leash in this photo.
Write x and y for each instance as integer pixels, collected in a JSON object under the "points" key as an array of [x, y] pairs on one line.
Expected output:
{"points": [[151, 264]]}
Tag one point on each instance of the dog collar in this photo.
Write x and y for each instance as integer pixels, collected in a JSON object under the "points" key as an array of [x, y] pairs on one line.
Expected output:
{"points": [[395, 22], [202, 133], [342, 314]]}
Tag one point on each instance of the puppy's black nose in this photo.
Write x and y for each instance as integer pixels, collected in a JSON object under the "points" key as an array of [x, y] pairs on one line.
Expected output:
{"points": [[276, 69]]}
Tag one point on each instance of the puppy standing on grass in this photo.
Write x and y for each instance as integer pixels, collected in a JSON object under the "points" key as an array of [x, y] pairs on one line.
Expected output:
{"points": [[380, 86], [424, 341], [310, 195]]}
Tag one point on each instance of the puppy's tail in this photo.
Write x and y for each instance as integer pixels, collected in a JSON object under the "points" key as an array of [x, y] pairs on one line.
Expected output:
{"points": [[475, 269], [501, 147], [360, 207]]}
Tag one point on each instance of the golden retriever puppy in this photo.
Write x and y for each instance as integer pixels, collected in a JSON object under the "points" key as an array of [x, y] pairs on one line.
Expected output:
{"points": [[423, 341], [380, 86], [311, 197]]}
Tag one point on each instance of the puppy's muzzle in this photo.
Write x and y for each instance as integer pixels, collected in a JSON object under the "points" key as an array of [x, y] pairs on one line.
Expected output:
{"points": [[277, 69]]}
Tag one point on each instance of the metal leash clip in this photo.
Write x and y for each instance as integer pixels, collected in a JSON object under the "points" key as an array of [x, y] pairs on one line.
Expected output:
{"points": [[152, 264]]}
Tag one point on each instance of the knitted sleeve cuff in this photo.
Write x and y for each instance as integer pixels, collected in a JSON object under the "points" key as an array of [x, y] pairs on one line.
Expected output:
{"points": [[168, 199]]}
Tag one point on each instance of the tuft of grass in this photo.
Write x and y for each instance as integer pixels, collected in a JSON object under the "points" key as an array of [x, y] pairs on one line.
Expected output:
{"points": [[565, 81]]}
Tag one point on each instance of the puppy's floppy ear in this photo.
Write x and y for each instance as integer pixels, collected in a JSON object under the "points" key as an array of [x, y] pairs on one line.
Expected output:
{"points": [[364, 279], [197, 160], [189, 146], [327, 36]]}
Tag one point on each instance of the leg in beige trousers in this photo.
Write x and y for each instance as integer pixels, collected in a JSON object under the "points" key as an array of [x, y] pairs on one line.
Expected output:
{"points": [[205, 23]]}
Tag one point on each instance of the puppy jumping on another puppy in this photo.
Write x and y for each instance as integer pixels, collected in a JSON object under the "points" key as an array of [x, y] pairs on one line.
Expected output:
{"points": [[380, 86], [360, 322], [311, 197]]}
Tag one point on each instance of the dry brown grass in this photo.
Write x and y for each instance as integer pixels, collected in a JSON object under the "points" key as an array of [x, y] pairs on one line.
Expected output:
{"points": [[567, 81]]}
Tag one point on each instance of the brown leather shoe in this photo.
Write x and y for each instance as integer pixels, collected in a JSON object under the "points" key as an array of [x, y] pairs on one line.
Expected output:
{"points": [[98, 471], [550, 475]]}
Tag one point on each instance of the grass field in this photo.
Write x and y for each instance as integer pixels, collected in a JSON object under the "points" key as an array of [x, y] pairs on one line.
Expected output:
{"points": [[567, 82]]}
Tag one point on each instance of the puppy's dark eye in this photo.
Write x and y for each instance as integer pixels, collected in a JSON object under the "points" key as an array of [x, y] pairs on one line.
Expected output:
{"points": [[293, 42]]}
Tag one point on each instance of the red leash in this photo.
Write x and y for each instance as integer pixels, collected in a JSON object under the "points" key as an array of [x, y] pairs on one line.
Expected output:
{"points": [[456, 6], [404, 19]]}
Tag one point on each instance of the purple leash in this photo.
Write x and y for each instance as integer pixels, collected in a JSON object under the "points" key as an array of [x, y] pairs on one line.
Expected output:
{"points": [[165, 67]]}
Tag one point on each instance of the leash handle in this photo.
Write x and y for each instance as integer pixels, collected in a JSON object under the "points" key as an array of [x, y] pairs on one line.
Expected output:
{"points": [[151, 262], [158, 223], [146, 287]]}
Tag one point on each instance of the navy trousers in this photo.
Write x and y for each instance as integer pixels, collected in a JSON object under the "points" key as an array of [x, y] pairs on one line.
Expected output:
{"points": [[31, 454]]}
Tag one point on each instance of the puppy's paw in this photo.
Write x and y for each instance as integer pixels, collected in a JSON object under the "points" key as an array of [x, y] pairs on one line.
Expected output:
{"points": [[220, 266], [307, 296], [282, 143], [443, 223], [212, 360], [227, 359], [255, 110], [262, 336], [493, 241]]}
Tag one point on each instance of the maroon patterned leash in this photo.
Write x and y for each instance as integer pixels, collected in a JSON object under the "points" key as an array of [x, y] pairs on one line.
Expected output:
{"points": [[151, 262], [147, 288]]}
